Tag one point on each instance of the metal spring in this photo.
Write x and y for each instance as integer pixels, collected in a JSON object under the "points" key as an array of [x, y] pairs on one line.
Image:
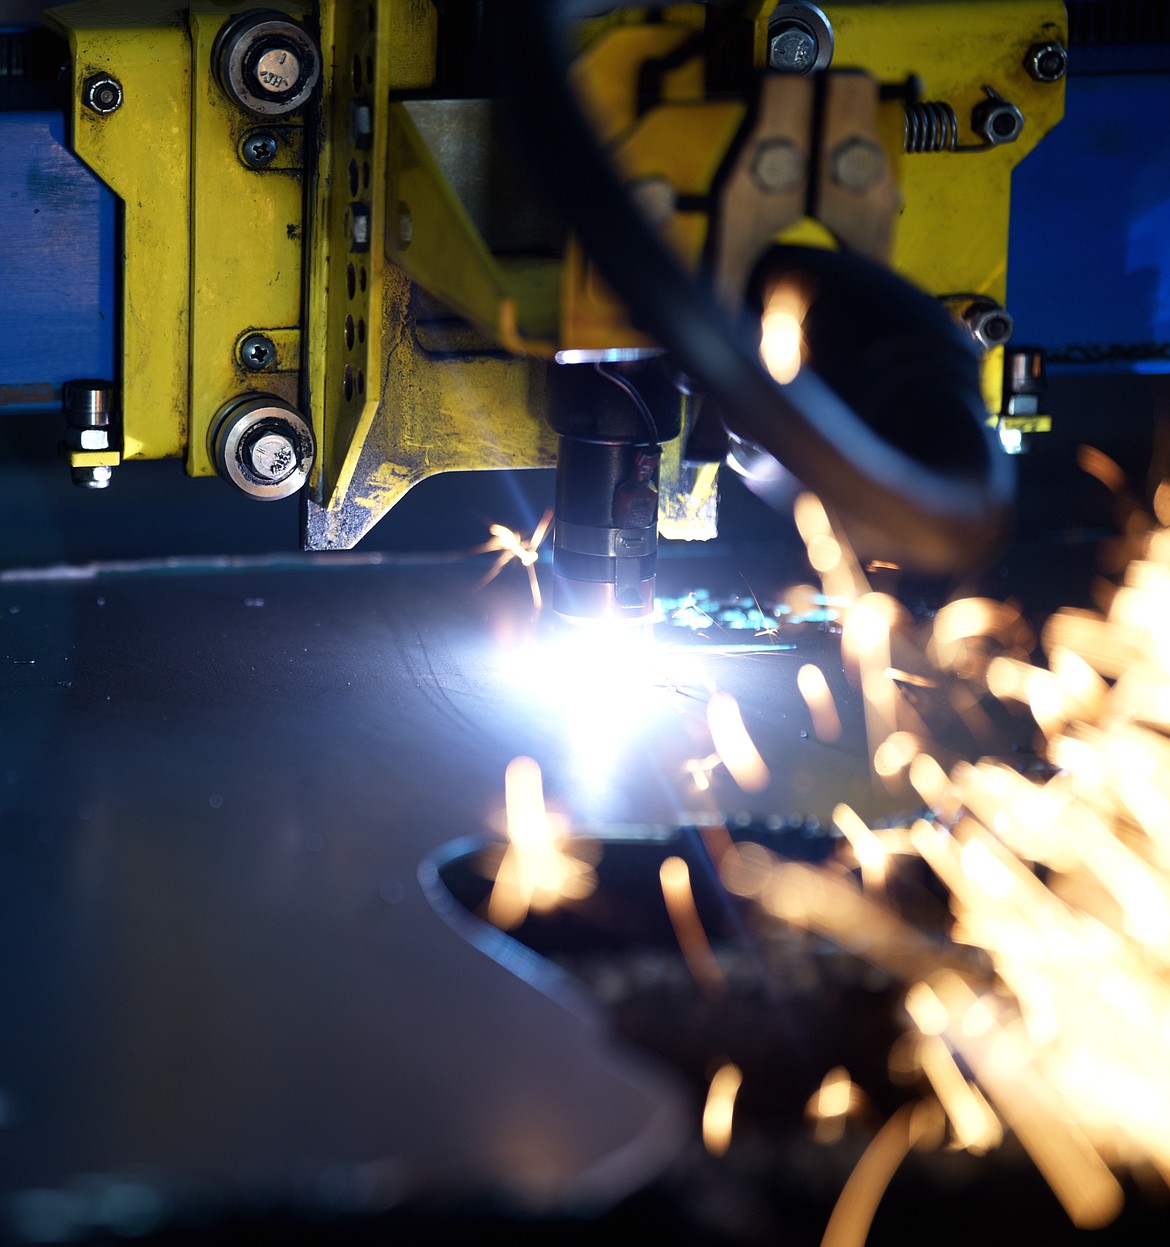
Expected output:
{"points": [[931, 126]]}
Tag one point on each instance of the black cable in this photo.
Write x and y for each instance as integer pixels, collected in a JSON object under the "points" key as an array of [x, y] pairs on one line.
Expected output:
{"points": [[934, 520]]}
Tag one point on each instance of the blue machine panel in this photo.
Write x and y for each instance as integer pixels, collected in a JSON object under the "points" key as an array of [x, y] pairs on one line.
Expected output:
{"points": [[1089, 259], [58, 253]]}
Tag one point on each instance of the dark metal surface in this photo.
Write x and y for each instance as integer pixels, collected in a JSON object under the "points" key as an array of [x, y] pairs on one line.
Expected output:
{"points": [[224, 980]]}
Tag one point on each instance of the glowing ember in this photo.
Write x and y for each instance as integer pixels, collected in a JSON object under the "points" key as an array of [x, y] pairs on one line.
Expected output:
{"points": [[814, 688], [837, 1098], [675, 877], [720, 1108], [1059, 1030], [511, 546], [537, 870], [781, 332], [733, 744]]}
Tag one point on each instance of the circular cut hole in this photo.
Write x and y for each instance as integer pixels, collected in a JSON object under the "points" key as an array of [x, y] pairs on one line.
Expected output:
{"points": [[361, 381], [365, 174], [362, 277], [353, 177], [361, 327], [350, 280], [349, 332], [357, 72], [347, 382]]}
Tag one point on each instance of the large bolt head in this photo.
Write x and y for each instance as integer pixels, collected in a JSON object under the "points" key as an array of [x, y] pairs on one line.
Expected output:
{"points": [[858, 165], [793, 49], [272, 455], [779, 165], [278, 69]]}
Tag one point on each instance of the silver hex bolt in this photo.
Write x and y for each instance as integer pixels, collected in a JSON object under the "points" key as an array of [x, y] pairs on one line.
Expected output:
{"points": [[800, 38], [858, 165], [1047, 62], [793, 49], [278, 69], [272, 456], [997, 120], [988, 324], [779, 165]]}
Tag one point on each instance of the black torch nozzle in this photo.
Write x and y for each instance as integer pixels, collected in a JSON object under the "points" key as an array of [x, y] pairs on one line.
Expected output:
{"points": [[605, 527]]}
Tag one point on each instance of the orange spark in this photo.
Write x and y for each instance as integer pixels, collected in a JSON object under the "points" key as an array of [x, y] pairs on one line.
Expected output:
{"points": [[512, 546]]}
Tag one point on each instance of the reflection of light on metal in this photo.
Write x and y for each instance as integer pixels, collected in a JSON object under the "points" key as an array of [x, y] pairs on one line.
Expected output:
{"points": [[512, 546], [781, 332], [675, 878], [539, 869], [734, 746], [720, 1108], [832, 1103], [814, 688]]}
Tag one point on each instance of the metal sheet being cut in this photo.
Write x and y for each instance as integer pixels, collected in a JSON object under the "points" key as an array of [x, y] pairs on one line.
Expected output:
{"points": [[225, 983]]}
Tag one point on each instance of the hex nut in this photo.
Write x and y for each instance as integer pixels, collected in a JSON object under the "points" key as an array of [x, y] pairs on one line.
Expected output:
{"points": [[1047, 62], [800, 38], [655, 198], [102, 94], [793, 48], [997, 121], [989, 324], [779, 165], [858, 165]]}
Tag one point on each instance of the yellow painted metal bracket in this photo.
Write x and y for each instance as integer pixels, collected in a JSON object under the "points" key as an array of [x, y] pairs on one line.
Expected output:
{"points": [[246, 245], [141, 152], [211, 247], [386, 412]]}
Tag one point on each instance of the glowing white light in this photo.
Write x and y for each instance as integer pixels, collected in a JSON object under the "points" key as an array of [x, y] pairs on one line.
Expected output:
{"points": [[1012, 440]]}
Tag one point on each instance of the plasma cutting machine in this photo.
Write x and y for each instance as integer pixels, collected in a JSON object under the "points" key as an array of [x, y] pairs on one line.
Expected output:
{"points": [[362, 244]]}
